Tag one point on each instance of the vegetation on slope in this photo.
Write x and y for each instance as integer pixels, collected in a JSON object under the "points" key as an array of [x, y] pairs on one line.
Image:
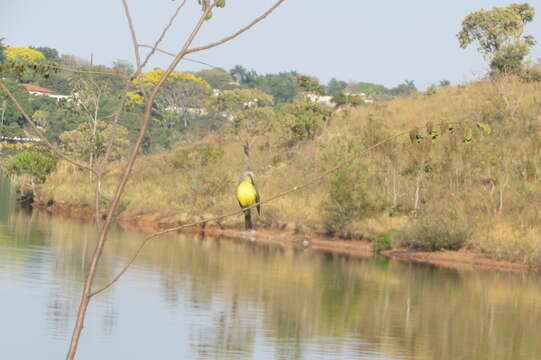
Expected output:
{"points": [[470, 177], [454, 167]]}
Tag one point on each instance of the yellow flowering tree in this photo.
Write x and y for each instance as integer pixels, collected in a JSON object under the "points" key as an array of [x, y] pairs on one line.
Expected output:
{"points": [[23, 54], [181, 95]]}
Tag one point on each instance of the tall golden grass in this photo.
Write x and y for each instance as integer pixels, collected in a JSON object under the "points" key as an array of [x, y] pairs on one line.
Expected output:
{"points": [[490, 187]]}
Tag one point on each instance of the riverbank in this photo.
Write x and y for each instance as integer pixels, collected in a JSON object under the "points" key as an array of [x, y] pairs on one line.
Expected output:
{"points": [[302, 238]]}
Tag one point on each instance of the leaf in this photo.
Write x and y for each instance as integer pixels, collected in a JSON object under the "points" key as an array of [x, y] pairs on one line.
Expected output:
{"points": [[485, 127], [468, 135], [434, 134]]}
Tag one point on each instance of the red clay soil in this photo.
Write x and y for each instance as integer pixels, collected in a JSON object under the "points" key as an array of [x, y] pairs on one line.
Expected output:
{"points": [[460, 260]]}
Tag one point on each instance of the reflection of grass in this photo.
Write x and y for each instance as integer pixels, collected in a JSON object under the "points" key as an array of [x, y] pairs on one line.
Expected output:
{"points": [[292, 295]]}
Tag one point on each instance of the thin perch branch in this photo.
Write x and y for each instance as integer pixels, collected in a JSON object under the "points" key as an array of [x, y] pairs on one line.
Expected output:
{"points": [[294, 189]]}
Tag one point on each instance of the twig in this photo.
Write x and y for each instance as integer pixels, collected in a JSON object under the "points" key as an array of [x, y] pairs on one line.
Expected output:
{"points": [[184, 59], [97, 202], [234, 35], [149, 101], [135, 44], [164, 32]]}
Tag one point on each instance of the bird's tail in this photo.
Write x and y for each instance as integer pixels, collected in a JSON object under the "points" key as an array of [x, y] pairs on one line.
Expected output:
{"points": [[248, 219]]}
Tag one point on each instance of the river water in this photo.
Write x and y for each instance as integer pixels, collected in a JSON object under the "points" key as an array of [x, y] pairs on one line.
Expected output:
{"points": [[194, 297]]}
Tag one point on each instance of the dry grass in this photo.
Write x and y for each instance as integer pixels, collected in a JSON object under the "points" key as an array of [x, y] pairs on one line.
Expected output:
{"points": [[494, 182]]}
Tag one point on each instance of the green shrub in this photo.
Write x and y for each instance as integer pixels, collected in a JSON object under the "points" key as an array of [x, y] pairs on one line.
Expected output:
{"points": [[30, 162], [303, 120], [197, 157], [348, 199], [205, 183], [384, 241], [433, 232]]}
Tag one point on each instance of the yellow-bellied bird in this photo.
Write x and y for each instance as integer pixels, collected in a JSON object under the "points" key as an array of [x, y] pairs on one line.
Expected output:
{"points": [[247, 195]]}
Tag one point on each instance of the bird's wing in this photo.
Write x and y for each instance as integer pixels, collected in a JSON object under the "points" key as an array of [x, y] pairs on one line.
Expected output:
{"points": [[257, 199]]}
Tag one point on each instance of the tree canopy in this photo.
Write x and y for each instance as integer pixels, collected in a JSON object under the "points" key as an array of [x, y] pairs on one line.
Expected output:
{"points": [[499, 35], [49, 53], [22, 53], [218, 78]]}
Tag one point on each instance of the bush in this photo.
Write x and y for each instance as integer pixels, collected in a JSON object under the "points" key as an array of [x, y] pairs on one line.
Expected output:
{"points": [[205, 184], [348, 199], [30, 162], [304, 120], [197, 157], [435, 232], [531, 75], [384, 241]]}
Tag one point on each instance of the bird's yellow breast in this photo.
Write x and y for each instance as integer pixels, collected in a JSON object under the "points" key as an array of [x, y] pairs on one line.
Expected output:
{"points": [[246, 194]]}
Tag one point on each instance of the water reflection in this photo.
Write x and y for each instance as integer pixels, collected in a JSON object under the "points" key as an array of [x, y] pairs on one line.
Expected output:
{"points": [[208, 298]]}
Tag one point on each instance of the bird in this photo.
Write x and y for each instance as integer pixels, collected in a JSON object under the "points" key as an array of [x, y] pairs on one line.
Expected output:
{"points": [[248, 195]]}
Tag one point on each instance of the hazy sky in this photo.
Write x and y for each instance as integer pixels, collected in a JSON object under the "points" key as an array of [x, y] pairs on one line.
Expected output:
{"points": [[381, 41]]}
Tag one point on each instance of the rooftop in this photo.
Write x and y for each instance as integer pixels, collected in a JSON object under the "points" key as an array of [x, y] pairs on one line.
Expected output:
{"points": [[34, 88]]}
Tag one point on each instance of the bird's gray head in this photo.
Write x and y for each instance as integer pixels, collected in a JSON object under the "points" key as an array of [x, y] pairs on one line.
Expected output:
{"points": [[248, 175]]}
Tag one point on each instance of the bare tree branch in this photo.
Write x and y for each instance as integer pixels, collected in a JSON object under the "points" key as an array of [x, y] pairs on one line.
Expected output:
{"points": [[164, 32], [149, 101], [97, 200], [136, 51], [184, 59], [234, 35], [53, 147]]}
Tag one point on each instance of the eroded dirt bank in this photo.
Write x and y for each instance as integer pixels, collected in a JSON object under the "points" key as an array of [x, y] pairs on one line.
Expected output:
{"points": [[290, 236]]}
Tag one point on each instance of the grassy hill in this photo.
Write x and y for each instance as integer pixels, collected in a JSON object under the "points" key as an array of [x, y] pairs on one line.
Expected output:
{"points": [[465, 172]]}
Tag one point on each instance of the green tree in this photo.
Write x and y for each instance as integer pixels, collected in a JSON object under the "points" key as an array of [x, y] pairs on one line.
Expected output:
{"points": [[243, 76], [406, 88], [90, 140], [232, 101], [283, 86], [182, 95], [35, 164], [375, 91], [49, 53], [348, 199], [499, 35], [123, 67], [310, 84], [335, 87], [444, 83], [11, 120], [218, 78], [303, 120], [250, 112]]}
